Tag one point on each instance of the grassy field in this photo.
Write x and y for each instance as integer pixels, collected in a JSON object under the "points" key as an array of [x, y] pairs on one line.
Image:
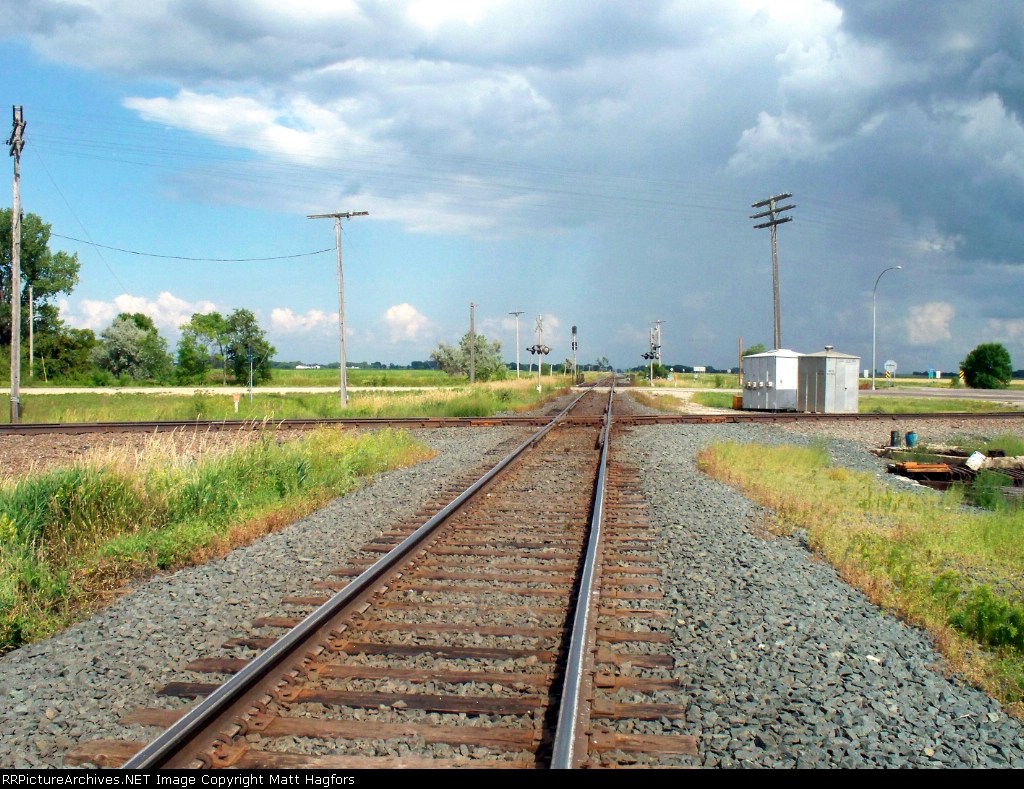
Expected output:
{"points": [[953, 570], [363, 377], [483, 399]]}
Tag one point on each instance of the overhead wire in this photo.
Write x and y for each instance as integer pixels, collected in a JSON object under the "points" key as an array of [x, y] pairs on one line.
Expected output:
{"points": [[194, 259]]}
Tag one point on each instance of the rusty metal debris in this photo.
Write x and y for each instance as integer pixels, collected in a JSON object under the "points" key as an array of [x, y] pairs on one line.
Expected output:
{"points": [[941, 467]]}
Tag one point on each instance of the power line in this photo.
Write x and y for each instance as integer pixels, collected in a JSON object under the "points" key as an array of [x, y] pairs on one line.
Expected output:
{"points": [[49, 175], [196, 260]]}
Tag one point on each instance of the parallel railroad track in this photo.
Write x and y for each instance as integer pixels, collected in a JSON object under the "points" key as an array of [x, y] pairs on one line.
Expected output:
{"points": [[491, 421], [519, 626]]}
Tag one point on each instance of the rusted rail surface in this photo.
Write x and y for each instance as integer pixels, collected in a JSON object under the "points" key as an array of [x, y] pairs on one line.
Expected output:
{"points": [[455, 656]]}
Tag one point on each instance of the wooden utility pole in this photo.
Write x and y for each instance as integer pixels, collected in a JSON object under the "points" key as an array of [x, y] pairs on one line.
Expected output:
{"points": [[16, 143], [773, 221], [739, 357], [341, 292]]}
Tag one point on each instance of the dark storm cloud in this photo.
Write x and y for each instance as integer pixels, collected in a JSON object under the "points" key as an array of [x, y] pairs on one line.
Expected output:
{"points": [[970, 48]]}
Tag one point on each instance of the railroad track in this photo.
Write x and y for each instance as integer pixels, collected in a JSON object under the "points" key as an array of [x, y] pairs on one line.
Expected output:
{"points": [[519, 626], [724, 416]]}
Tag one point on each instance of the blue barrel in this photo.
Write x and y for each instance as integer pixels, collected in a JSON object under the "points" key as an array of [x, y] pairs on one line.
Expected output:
{"points": [[911, 439], [895, 440]]}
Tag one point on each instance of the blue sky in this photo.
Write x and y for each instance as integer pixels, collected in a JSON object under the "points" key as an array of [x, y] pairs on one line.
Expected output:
{"points": [[592, 163]]}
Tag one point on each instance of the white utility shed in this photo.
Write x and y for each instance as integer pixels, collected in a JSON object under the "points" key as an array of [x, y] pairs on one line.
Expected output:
{"points": [[828, 382], [770, 380]]}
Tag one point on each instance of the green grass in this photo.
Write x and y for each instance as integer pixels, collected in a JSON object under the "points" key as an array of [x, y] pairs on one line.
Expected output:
{"points": [[479, 400], [927, 405], [71, 536], [713, 399], [363, 377], [955, 571]]}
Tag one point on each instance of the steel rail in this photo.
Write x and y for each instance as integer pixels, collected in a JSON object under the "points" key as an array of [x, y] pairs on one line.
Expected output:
{"points": [[190, 726], [30, 428], [569, 738]]}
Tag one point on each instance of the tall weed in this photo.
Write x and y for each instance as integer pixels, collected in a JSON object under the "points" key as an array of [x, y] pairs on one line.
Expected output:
{"points": [[74, 533]]}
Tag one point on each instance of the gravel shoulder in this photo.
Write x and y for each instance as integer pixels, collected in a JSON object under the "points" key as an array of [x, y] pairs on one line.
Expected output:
{"points": [[784, 664]]}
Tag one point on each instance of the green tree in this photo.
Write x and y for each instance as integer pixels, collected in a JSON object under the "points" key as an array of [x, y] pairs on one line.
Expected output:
{"points": [[49, 273], [988, 367], [244, 336], [193, 358], [756, 348], [131, 346], [454, 361], [64, 354], [212, 330]]}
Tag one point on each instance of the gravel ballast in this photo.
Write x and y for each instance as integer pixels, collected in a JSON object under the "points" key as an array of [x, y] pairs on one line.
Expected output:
{"points": [[785, 665]]}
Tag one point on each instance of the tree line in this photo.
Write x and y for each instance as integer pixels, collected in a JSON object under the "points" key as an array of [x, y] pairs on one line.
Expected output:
{"points": [[131, 347]]}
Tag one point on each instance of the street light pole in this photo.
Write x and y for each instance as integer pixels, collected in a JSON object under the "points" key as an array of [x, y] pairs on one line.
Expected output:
{"points": [[337, 217], [517, 314], [874, 293], [472, 346]]}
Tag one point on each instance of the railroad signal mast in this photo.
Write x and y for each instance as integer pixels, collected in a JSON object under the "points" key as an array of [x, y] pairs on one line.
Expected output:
{"points": [[574, 354], [654, 352], [540, 349]]}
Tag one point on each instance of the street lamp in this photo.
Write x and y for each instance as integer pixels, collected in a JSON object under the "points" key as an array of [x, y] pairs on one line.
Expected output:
{"points": [[874, 293], [517, 314]]}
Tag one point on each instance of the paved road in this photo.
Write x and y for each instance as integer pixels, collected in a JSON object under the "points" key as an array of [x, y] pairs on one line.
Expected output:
{"points": [[1012, 396]]}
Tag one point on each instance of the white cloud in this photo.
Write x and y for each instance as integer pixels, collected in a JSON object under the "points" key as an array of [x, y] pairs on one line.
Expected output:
{"points": [[1010, 330], [298, 130], [992, 133], [282, 319], [167, 310], [947, 244], [405, 322], [775, 139], [431, 15], [928, 324]]}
